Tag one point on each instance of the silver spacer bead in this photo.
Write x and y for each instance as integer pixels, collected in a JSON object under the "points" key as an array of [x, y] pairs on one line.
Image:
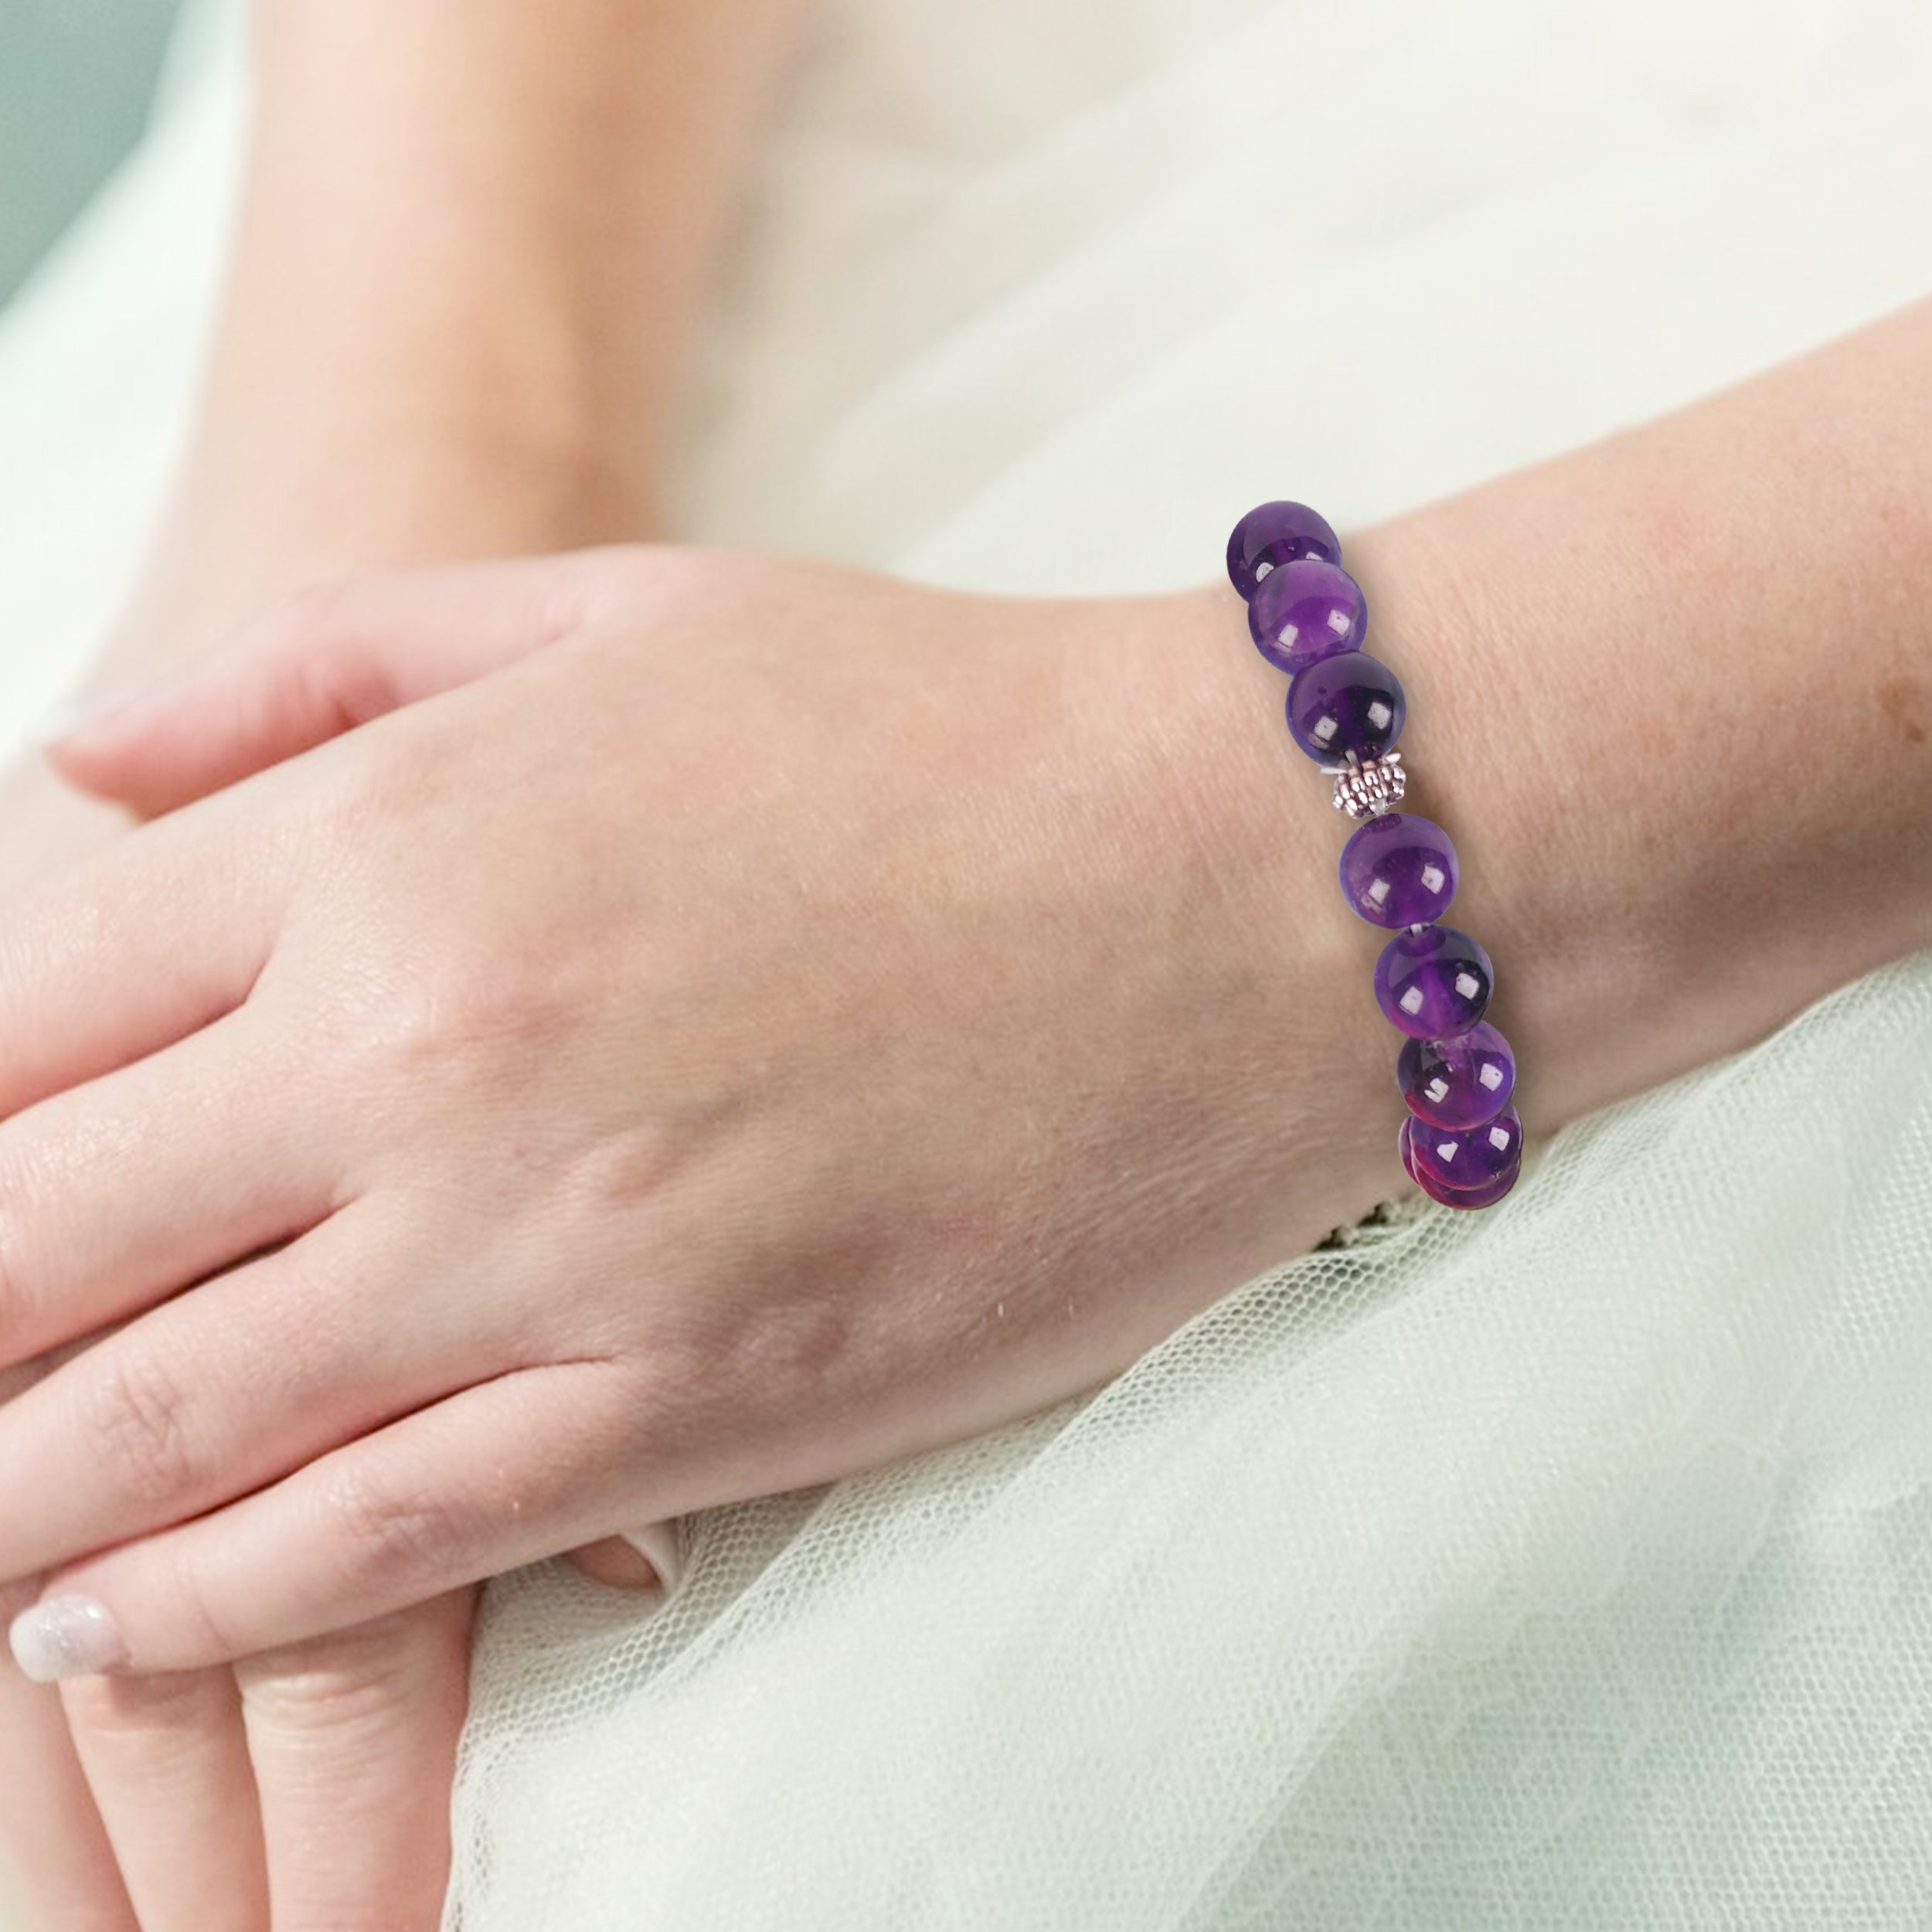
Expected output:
{"points": [[1363, 790]]}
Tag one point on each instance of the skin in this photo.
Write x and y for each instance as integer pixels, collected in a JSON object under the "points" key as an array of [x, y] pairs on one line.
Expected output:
{"points": [[1712, 521], [643, 1176], [887, 1020], [472, 245]]}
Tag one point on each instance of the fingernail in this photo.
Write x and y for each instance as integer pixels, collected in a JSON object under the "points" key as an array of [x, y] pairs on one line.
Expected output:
{"points": [[66, 1637], [663, 1545]]}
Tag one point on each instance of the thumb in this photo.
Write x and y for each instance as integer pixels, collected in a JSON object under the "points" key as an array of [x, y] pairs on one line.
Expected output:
{"points": [[324, 663]]}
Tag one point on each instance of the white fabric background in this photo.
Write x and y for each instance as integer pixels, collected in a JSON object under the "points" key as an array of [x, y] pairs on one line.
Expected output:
{"points": [[1569, 1565]]}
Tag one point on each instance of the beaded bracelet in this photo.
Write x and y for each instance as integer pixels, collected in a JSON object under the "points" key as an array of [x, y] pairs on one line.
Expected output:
{"points": [[1462, 1144]]}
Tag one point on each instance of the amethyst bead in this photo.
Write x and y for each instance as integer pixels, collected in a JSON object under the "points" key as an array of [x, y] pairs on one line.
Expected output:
{"points": [[1433, 983], [1349, 704], [1408, 1153], [1398, 869], [1467, 1157], [1475, 1197], [1273, 534], [1457, 1082], [1485, 1194], [1306, 611]]}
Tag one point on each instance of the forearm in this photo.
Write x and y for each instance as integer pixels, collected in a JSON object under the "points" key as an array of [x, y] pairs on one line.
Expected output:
{"points": [[1710, 655], [485, 219], [474, 239]]}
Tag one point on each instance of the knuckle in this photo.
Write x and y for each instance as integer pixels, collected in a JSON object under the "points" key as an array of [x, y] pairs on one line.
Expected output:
{"points": [[708, 1366], [317, 640], [452, 1018], [328, 689], [479, 1004], [398, 1024], [393, 1538], [137, 1410], [342, 1683]]}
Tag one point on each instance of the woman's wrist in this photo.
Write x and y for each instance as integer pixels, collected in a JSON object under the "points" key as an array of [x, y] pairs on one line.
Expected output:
{"points": [[1528, 740], [1236, 841], [1659, 848], [1686, 765]]}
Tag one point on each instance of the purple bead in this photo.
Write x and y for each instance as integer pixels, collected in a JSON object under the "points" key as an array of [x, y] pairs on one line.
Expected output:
{"points": [[1397, 869], [1433, 983], [1344, 704], [1457, 1082], [1474, 1197], [1486, 1195], [1463, 1157], [1407, 1152], [1273, 534], [1305, 611]]}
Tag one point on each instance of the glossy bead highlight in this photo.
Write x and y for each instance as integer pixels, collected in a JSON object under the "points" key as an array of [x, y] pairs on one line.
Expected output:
{"points": [[1434, 983], [1305, 611], [1398, 869], [1485, 1194], [1462, 1141], [1457, 1082], [1463, 1157], [1273, 534], [1344, 704]]}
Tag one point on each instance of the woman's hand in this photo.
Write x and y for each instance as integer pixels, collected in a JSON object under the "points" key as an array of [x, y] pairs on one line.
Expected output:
{"points": [[306, 1787], [795, 1019], [473, 242], [331, 1761], [312, 1783]]}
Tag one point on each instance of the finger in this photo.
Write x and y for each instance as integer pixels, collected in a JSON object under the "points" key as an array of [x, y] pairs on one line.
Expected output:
{"points": [[147, 942], [233, 1385], [325, 663], [504, 1474], [57, 1848], [353, 1738], [119, 1192], [167, 1761]]}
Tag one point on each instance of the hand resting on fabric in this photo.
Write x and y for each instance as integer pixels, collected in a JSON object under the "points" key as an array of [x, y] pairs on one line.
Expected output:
{"points": [[157, 1802], [679, 1108], [792, 1018]]}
